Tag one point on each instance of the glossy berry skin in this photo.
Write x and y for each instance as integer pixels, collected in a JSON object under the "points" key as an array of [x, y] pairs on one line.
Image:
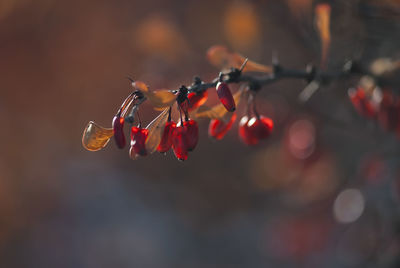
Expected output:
{"points": [[196, 99], [218, 128], [138, 142], [192, 134], [179, 143], [225, 96], [361, 103], [245, 134], [166, 139], [118, 128], [261, 127]]}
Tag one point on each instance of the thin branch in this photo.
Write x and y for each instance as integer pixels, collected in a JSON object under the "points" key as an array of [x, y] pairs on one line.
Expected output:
{"points": [[310, 74]]}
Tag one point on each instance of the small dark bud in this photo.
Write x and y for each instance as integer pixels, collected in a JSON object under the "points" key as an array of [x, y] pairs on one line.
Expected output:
{"points": [[182, 94]]}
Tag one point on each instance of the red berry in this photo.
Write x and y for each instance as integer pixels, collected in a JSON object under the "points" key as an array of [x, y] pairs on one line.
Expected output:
{"points": [[389, 112], [225, 96], [179, 143], [166, 139], [138, 142], [260, 127], [118, 128], [361, 103], [244, 132], [218, 128], [196, 99], [192, 134]]}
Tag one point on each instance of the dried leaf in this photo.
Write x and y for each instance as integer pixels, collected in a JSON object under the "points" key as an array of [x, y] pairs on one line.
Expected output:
{"points": [[382, 66], [156, 129], [140, 86], [95, 137], [218, 111], [223, 58], [160, 99], [322, 20]]}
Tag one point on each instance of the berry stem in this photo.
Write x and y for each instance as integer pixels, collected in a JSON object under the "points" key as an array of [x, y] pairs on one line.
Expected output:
{"points": [[248, 106], [253, 98], [140, 121], [169, 114], [180, 114], [256, 82]]}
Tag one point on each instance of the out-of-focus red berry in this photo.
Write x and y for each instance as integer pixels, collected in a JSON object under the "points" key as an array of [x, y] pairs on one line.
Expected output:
{"points": [[138, 142], [218, 128], [244, 132], [389, 112], [225, 96], [363, 105], [301, 140], [166, 139], [118, 128], [196, 99], [179, 143]]}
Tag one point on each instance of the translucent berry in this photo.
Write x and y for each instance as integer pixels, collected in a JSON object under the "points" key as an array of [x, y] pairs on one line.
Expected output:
{"points": [[225, 96], [244, 132], [179, 143], [192, 134], [138, 142], [118, 128], [218, 128], [166, 139], [261, 127]]}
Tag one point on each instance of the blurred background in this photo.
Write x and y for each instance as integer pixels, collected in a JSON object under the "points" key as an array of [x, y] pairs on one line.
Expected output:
{"points": [[323, 191]]}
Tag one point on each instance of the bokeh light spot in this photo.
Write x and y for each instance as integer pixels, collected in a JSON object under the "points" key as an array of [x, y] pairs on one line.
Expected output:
{"points": [[348, 206], [302, 139]]}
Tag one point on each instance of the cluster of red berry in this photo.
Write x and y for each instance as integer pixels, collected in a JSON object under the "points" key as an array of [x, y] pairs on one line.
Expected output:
{"points": [[377, 104], [183, 136], [163, 134]]}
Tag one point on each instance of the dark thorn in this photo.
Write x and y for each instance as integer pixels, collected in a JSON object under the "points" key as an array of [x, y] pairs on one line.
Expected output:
{"points": [[197, 80], [130, 79], [243, 65]]}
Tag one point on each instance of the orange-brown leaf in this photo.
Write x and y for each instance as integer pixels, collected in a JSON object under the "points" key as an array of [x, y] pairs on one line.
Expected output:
{"points": [[96, 137], [140, 86], [160, 99], [223, 58], [156, 129]]}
